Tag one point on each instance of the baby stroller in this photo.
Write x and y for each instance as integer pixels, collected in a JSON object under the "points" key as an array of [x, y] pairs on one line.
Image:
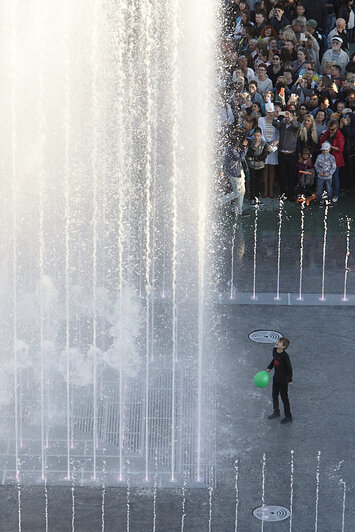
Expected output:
{"points": [[305, 186]]}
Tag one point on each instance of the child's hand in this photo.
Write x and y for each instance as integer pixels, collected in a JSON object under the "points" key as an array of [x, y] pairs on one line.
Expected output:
{"points": [[267, 370]]}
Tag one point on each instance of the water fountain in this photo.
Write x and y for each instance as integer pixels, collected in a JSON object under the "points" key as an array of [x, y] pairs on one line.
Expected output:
{"points": [[105, 208]]}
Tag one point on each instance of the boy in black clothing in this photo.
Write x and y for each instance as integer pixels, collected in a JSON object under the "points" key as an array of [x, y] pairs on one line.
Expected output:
{"points": [[282, 378]]}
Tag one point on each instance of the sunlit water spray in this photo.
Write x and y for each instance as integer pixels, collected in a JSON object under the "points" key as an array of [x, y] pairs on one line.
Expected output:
{"points": [[155, 489], [263, 490], [94, 169], [14, 221], [343, 484], [232, 261], [103, 496], [291, 487], [128, 498], [347, 255], [19, 503], [254, 297], [41, 200], [317, 493], [281, 204], [67, 215], [300, 298], [236, 489], [183, 502], [73, 501], [95, 215], [148, 59], [210, 501], [174, 184], [325, 224], [46, 521]]}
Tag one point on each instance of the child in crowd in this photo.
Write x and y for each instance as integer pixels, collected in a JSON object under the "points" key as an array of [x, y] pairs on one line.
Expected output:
{"points": [[305, 175], [282, 378], [325, 166]]}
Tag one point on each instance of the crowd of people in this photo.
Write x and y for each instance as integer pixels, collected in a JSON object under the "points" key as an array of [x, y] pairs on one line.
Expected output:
{"points": [[287, 101]]}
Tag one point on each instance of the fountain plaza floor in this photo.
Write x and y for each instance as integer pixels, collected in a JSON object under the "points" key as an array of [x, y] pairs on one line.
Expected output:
{"points": [[306, 466]]}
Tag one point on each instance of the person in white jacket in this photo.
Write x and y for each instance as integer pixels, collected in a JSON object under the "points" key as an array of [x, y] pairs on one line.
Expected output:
{"points": [[336, 55]]}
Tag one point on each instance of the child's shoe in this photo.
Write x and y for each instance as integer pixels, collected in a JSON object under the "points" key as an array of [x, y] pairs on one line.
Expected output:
{"points": [[275, 414]]}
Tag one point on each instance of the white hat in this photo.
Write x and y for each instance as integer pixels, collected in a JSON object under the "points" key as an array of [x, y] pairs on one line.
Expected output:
{"points": [[346, 111], [269, 107], [337, 38], [326, 146]]}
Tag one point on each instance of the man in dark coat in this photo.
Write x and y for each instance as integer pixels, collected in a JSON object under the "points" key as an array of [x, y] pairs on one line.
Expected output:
{"points": [[317, 11]]}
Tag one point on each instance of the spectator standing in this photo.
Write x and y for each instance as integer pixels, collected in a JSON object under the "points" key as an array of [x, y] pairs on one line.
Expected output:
{"points": [[350, 67], [233, 168], [288, 130], [317, 10], [290, 9], [311, 27], [340, 30], [278, 20], [307, 136], [336, 54], [263, 82], [256, 155], [275, 69], [271, 135], [325, 166], [259, 22], [346, 11], [347, 127], [320, 123], [336, 140], [299, 64]]}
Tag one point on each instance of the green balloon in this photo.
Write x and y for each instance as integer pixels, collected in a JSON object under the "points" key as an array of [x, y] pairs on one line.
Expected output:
{"points": [[261, 379]]}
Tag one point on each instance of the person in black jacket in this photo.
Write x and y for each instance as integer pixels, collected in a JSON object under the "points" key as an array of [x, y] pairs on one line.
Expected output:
{"points": [[317, 11], [256, 156], [347, 127], [282, 378]]}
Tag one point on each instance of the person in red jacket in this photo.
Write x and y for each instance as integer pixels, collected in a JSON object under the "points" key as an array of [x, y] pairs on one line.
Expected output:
{"points": [[334, 136]]}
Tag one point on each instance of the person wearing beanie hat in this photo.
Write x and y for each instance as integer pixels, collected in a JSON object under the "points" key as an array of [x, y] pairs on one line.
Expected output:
{"points": [[325, 166]]}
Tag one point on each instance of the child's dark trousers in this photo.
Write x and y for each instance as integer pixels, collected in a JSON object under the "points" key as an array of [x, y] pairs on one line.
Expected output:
{"points": [[281, 388]]}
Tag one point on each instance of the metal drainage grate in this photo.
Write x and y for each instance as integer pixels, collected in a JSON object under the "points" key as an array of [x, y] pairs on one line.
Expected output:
{"points": [[265, 337], [271, 513]]}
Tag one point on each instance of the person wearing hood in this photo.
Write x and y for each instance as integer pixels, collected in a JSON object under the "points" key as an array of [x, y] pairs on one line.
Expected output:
{"points": [[347, 127]]}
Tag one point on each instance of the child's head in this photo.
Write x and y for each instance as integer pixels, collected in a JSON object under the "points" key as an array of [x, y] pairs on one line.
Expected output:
{"points": [[282, 343], [326, 147], [306, 153]]}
